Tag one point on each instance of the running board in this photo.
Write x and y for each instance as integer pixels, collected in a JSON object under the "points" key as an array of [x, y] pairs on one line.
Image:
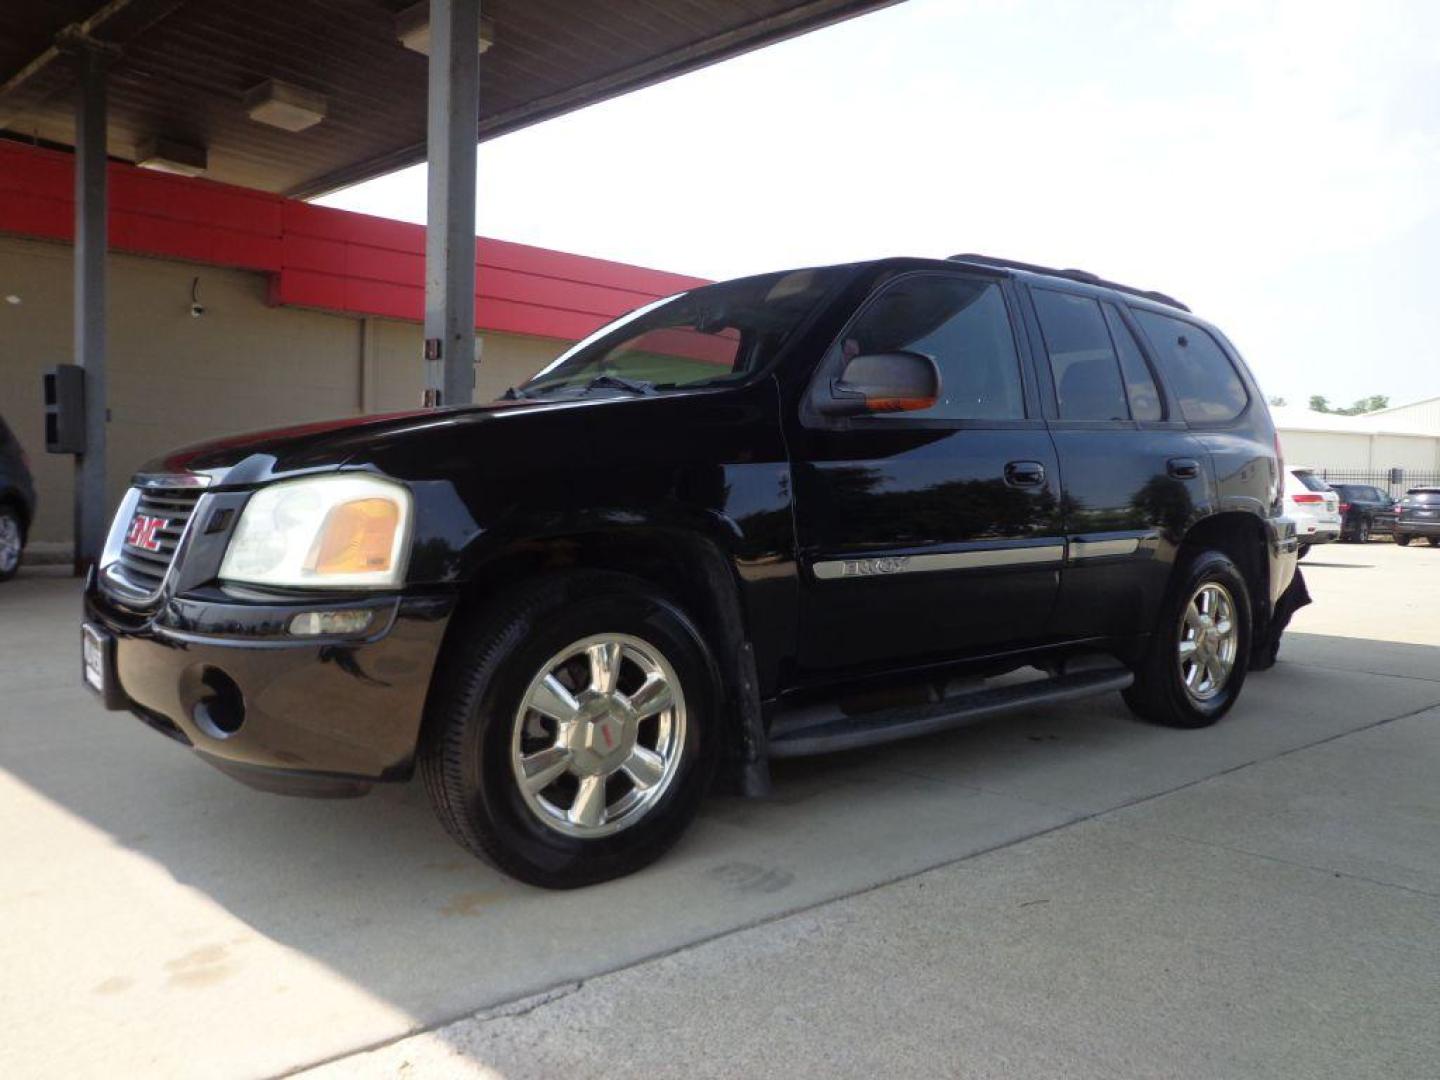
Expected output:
{"points": [[823, 730]]}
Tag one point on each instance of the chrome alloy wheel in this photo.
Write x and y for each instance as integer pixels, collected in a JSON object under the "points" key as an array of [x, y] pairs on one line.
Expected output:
{"points": [[1209, 641], [9, 543], [599, 735]]}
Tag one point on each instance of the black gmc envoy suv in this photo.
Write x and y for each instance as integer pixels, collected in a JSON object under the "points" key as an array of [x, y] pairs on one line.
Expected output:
{"points": [[772, 517]]}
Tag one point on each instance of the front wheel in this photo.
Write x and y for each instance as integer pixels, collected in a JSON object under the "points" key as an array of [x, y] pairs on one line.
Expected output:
{"points": [[1199, 654], [1304, 550], [573, 731], [1403, 539]]}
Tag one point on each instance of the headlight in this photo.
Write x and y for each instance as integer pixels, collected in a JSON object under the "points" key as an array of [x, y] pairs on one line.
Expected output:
{"points": [[325, 532]]}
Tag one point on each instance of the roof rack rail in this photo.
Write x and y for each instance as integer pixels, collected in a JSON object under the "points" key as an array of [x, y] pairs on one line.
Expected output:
{"points": [[1072, 275]]}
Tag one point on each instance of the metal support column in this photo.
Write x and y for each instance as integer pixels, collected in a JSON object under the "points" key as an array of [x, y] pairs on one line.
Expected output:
{"points": [[91, 216], [454, 116]]}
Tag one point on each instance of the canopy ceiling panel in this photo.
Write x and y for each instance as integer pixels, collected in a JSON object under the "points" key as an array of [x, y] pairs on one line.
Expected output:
{"points": [[181, 70]]}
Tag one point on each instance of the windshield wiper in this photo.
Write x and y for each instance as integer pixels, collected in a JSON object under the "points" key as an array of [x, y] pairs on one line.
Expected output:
{"points": [[608, 381], [605, 381]]}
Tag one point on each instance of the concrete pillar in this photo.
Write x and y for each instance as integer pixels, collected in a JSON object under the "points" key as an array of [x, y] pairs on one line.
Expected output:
{"points": [[91, 217], [454, 115]]}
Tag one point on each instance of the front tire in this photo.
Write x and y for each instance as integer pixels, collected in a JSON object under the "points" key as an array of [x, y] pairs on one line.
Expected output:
{"points": [[1199, 654], [1304, 550], [573, 731], [1403, 539]]}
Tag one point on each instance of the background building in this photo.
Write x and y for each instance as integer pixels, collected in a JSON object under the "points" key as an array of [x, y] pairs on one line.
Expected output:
{"points": [[232, 309], [1364, 449]]}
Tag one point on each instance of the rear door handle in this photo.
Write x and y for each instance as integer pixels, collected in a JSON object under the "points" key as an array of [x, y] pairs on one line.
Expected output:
{"points": [[1183, 468], [1024, 474]]}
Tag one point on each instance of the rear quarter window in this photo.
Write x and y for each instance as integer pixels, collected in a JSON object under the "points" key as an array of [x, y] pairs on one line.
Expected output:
{"points": [[1205, 382], [1311, 481]]}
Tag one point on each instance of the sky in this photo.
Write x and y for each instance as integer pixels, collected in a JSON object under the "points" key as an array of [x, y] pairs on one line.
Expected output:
{"points": [[1275, 165]]}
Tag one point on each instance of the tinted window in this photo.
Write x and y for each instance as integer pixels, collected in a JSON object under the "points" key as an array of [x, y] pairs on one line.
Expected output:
{"points": [[1378, 495], [711, 334], [1082, 358], [1427, 497], [1139, 382], [960, 322], [1196, 368], [1311, 481]]}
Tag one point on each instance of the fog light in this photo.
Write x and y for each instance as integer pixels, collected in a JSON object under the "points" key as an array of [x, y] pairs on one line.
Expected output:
{"points": [[326, 623]]}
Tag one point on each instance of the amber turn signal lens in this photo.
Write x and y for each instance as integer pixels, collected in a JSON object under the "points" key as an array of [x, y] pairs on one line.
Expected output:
{"points": [[358, 538]]}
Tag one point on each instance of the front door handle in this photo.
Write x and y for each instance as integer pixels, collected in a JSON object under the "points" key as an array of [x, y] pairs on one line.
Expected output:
{"points": [[1024, 474], [1183, 468]]}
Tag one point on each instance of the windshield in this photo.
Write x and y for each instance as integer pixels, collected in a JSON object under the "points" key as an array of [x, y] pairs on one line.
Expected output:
{"points": [[718, 333]]}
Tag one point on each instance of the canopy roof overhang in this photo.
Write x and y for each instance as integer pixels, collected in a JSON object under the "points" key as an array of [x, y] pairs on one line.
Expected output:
{"points": [[181, 70]]}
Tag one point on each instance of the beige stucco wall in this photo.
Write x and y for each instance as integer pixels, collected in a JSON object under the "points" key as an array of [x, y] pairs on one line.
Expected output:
{"points": [[174, 378]]}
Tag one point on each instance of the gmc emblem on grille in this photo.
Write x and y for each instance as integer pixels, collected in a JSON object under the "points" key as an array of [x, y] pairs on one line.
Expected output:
{"points": [[142, 532]]}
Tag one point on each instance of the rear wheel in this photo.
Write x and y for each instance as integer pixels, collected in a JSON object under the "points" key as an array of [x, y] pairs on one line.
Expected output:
{"points": [[573, 732], [12, 542], [1434, 541], [1199, 654], [1362, 531], [1304, 550]]}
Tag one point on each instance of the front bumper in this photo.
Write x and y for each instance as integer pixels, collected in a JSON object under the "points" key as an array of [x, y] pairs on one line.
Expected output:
{"points": [[316, 716]]}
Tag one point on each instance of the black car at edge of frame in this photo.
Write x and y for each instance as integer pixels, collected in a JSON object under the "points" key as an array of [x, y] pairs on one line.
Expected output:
{"points": [[794, 513]]}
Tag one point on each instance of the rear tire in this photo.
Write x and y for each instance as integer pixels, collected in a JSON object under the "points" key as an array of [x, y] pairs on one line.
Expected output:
{"points": [[1195, 665], [592, 812], [12, 542], [1362, 531], [1304, 550], [1434, 541]]}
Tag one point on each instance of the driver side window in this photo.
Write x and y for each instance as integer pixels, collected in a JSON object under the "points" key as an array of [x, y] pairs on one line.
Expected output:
{"points": [[963, 325]]}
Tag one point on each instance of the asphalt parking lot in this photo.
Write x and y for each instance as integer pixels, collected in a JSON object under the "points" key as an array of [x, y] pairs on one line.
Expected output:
{"points": [[1064, 893]]}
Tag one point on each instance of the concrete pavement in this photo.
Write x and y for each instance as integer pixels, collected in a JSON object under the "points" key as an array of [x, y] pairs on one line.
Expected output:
{"points": [[1259, 898]]}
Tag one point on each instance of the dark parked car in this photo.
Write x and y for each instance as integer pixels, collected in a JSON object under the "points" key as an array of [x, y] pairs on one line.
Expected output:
{"points": [[1419, 516], [17, 502], [1364, 510], [801, 512]]}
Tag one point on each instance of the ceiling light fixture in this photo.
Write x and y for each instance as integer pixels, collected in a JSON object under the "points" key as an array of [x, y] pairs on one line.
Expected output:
{"points": [[412, 27], [285, 105], [169, 156]]}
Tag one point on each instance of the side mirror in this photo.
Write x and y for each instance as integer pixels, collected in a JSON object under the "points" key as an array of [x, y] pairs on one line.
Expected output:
{"points": [[882, 383]]}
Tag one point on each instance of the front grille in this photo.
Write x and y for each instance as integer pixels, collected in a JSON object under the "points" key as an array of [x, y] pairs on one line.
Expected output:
{"points": [[163, 514]]}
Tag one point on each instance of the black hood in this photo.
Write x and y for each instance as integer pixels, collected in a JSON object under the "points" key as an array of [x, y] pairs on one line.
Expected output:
{"points": [[257, 456]]}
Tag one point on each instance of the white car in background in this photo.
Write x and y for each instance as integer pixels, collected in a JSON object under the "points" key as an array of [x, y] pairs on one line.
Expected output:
{"points": [[1315, 508]]}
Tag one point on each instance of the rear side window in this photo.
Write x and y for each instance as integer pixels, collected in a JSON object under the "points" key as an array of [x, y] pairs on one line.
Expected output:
{"points": [[1197, 369], [963, 324], [1082, 357], [1139, 382]]}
